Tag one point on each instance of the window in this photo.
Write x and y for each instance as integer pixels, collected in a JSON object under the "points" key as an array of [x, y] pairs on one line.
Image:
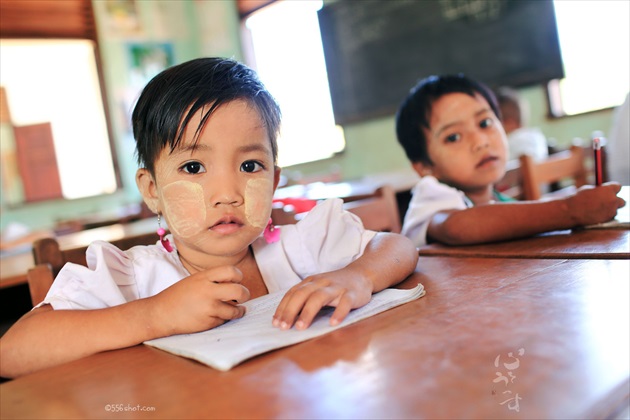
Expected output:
{"points": [[595, 44], [50, 60], [286, 51], [56, 82]]}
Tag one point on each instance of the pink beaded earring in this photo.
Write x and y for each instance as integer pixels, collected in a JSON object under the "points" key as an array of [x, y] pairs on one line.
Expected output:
{"points": [[271, 233], [161, 232]]}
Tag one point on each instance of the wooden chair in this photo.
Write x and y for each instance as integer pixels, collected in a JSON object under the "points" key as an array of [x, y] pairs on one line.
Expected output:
{"points": [[39, 279], [559, 166], [49, 258], [378, 212], [511, 184]]}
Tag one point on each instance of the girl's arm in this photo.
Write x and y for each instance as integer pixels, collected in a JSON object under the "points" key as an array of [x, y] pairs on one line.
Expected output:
{"points": [[504, 221], [388, 259], [46, 337]]}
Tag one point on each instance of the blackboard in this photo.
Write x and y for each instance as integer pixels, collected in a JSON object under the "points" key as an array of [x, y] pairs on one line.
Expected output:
{"points": [[376, 50]]}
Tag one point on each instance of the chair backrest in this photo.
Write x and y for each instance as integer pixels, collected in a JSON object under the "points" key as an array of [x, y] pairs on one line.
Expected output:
{"points": [[511, 184], [49, 258], [39, 279], [378, 212], [559, 166], [48, 250]]}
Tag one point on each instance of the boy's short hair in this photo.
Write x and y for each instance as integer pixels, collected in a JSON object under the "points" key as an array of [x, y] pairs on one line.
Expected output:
{"points": [[415, 112], [171, 98]]}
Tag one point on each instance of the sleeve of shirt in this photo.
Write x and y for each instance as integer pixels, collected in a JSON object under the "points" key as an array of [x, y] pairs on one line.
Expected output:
{"points": [[108, 280], [429, 196], [327, 239]]}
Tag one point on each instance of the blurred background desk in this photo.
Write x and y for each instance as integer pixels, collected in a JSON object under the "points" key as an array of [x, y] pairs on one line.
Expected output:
{"points": [[401, 181], [15, 297], [13, 266], [548, 338]]}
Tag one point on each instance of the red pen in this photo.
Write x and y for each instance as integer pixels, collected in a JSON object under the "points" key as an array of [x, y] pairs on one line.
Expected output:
{"points": [[597, 150]]}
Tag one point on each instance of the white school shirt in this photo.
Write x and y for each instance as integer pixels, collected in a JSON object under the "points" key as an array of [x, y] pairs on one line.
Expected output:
{"points": [[527, 141], [327, 239], [430, 196]]}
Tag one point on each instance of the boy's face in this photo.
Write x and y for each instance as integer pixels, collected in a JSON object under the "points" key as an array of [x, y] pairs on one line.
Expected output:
{"points": [[216, 197], [465, 142]]}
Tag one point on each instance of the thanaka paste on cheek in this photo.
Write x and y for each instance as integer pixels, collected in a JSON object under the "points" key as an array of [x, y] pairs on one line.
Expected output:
{"points": [[184, 208], [258, 197]]}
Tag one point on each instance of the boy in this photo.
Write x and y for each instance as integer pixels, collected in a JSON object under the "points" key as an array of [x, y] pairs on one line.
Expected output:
{"points": [[450, 129]]}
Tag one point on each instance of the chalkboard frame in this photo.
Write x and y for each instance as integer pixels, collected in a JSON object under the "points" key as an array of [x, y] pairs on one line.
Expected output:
{"points": [[376, 50]]}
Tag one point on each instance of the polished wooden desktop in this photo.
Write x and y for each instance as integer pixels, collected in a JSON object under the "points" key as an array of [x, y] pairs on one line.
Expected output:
{"points": [[585, 243], [547, 337]]}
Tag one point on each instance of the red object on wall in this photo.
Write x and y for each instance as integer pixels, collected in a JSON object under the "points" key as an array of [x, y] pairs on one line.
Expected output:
{"points": [[37, 162]]}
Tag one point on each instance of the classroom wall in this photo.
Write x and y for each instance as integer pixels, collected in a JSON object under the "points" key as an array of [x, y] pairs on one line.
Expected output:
{"points": [[205, 28]]}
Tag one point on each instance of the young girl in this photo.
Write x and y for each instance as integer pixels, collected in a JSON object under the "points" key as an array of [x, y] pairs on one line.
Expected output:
{"points": [[449, 127], [206, 143]]}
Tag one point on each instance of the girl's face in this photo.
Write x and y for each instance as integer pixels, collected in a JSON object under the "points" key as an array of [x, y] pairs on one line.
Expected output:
{"points": [[466, 143], [215, 196]]}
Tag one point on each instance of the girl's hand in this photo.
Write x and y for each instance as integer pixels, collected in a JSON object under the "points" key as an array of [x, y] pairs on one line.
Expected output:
{"points": [[200, 302], [344, 289], [591, 205]]}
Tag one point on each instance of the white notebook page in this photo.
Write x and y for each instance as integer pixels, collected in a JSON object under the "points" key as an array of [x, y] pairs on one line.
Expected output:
{"points": [[226, 346]]}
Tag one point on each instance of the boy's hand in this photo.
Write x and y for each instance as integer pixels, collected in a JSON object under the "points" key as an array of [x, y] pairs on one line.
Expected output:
{"points": [[200, 302], [591, 205], [344, 289]]}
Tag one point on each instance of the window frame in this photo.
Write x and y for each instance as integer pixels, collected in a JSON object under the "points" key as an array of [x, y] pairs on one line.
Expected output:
{"points": [[67, 19]]}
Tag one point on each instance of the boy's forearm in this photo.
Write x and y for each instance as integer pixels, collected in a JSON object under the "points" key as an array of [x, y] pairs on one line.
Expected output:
{"points": [[501, 221], [388, 259], [48, 337]]}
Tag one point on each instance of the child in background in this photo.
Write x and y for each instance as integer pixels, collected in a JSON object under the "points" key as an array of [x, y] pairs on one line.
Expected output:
{"points": [[618, 145], [206, 143], [450, 129], [522, 139]]}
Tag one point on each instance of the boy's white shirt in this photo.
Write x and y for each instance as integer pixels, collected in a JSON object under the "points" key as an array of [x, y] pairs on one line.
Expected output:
{"points": [[327, 239], [429, 196]]}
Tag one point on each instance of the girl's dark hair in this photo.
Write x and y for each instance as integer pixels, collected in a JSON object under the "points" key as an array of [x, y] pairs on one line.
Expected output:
{"points": [[172, 98], [415, 112]]}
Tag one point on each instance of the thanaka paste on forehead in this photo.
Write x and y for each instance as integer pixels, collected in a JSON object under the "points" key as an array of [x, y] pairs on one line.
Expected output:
{"points": [[185, 208], [258, 197]]}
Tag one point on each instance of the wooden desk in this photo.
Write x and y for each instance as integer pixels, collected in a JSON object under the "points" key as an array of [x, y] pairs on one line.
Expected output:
{"points": [[400, 181], [13, 268], [431, 358], [593, 244]]}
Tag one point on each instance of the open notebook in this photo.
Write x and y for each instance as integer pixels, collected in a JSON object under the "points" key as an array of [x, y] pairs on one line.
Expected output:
{"points": [[229, 344]]}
